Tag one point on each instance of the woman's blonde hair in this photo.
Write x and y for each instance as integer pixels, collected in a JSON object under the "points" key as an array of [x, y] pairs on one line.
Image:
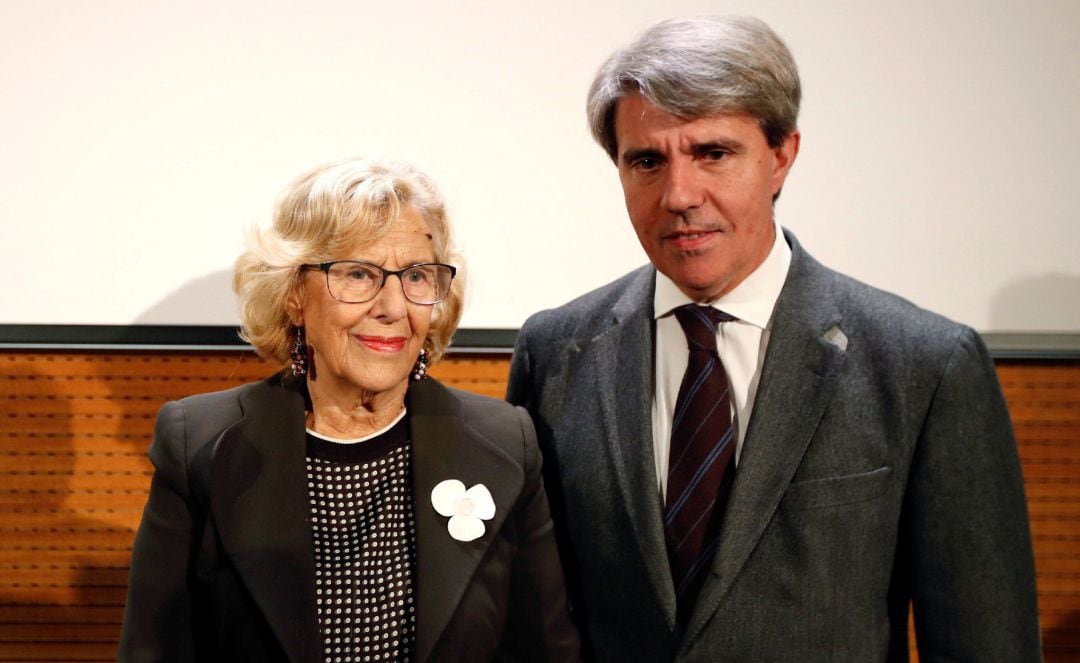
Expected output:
{"points": [[323, 213]]}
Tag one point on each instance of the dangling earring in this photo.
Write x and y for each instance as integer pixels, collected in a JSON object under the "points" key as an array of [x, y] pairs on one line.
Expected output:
{"points": [[298, 354], [419, 371]]}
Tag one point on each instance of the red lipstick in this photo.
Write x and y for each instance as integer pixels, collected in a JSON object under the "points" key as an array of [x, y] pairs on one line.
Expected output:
{"points": [[383, 343]]}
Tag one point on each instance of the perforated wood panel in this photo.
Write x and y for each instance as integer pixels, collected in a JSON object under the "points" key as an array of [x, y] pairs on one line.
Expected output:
{"points": [[1044, 401], [74, 428], [73, 437]]}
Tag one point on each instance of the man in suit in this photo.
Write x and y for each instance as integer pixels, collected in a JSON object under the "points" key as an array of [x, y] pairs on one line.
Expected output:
{"points": [[863, 465]]}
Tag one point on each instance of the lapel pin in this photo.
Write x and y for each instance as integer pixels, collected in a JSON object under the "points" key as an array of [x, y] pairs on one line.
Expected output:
{"points": [[466, 509], [836, 337]]}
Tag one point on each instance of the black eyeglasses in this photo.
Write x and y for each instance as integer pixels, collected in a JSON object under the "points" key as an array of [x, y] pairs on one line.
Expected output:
{"points": [[356, 282]]}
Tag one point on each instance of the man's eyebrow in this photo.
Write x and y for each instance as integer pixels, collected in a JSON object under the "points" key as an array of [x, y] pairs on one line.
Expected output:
{"points": [[633, 155], [725, 144]]}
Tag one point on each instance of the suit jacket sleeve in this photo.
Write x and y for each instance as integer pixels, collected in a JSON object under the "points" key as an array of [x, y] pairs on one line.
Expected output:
{"points": [[157, 616], [538, 625], [526, 380], [519, 385], [964, 536]]}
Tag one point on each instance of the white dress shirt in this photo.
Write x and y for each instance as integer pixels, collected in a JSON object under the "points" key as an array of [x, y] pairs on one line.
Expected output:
{"points": [[741, 345]]}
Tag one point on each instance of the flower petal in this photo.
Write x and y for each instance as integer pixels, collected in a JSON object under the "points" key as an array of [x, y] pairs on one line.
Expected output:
{"points": [[445, 494], [464, 506], [483, 505], [466, 528]]}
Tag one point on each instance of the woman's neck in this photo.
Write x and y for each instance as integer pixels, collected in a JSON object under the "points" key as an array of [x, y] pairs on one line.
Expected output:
{"points": [[351, 414]]}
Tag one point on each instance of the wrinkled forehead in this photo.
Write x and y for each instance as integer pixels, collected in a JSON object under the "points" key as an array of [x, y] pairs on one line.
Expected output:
{"points": [[411, 228], [640, 124], [408, 236]]}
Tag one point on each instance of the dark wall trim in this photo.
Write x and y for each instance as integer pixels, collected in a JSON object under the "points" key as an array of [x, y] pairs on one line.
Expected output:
{"points": [[179, 337], [1033, 345], [194, 337]]}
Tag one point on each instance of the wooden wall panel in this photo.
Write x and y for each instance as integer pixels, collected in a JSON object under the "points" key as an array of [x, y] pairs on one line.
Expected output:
{"points": [[1044, 402], [74, 427]]}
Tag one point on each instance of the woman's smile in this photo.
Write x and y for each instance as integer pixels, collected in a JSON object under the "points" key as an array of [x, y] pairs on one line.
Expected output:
{"points": [[382, 343]]}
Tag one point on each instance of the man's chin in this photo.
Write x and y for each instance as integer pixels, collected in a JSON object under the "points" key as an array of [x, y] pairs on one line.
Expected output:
{"points": [[697, 288]]}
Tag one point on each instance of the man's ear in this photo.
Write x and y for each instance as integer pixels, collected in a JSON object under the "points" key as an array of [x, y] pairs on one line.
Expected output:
{"points": [[783, 158]]}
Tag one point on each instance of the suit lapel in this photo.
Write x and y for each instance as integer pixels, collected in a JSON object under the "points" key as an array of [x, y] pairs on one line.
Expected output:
{"points": [[798, 379], [260, 506], [619, 376], [443, 447]]}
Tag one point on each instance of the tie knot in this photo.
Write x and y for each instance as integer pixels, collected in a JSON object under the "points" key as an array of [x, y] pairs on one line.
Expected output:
{"points": [[699, 324]]}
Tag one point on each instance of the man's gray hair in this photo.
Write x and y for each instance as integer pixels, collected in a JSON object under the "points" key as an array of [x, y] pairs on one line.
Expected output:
{"points": [[696, 67]]}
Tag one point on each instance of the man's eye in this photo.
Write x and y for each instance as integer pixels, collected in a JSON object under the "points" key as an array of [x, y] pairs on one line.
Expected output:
{"points": [[646, 163], [713, 155]]}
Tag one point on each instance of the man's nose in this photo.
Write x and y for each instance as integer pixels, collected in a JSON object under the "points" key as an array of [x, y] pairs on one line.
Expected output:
{"points": [[683, 188]]}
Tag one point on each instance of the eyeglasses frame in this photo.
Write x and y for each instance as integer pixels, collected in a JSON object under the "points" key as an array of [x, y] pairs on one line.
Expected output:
{"points": [[324, 267]]}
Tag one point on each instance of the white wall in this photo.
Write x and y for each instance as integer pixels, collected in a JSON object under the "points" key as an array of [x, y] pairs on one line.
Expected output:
{"points": [[938, 154]]}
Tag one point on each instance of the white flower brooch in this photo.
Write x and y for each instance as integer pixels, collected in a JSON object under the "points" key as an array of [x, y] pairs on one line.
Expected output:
{"points": [[466, 509]]}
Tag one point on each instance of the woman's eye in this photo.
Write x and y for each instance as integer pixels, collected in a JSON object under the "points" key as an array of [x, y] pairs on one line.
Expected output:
{"points": [[359, 275]]}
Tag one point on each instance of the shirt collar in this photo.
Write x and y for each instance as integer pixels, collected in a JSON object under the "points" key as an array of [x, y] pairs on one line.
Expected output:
{"points": [[751, 301]]}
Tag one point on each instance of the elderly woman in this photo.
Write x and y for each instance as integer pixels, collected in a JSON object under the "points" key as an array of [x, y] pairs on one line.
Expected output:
{"points": [[350, 508]]}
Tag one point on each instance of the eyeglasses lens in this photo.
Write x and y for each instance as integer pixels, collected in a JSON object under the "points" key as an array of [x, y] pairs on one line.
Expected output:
{"points": [[357, 282]]}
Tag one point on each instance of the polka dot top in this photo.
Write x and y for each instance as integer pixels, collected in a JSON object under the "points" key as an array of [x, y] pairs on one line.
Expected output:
{"points": [[365, 555]]}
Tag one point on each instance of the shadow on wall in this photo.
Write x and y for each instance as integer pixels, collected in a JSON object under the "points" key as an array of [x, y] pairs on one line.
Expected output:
{"points": [[73, 447], [1061, 642], [1038, 303], [206, 300], [75, 471]]}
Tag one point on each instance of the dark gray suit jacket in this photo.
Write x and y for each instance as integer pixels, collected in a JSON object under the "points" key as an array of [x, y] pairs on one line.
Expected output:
{"points": [[879, 468], [223, 566]]}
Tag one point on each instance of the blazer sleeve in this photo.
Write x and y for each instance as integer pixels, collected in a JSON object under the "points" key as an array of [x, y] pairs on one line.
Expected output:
{"points": [[965, 539], [519, 390], [538, 626], [158, 613]]}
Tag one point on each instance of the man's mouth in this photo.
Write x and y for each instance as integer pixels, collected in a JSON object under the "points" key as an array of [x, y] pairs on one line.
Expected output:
{"points": [[688, 240]]}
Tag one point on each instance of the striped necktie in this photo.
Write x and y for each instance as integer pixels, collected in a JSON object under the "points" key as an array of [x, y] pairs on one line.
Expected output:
{"points": [[701, 457]]}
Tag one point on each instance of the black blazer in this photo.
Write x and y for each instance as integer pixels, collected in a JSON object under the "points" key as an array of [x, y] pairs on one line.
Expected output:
{"points": [[223, 564]]}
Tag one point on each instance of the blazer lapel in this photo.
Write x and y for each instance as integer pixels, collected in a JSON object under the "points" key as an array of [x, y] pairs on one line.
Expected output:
{"points": [[616, 377], [798, 379], [260, 505], [444, 447]]}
